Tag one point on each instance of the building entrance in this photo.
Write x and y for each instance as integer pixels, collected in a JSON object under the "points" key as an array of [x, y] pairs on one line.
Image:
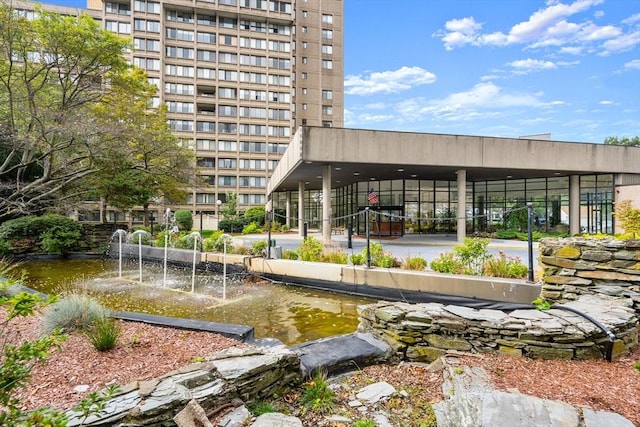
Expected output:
{"points": [[383, 221]]}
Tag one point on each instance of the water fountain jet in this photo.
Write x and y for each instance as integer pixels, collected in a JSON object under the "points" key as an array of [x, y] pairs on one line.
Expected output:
{"points": [[120, 232]]}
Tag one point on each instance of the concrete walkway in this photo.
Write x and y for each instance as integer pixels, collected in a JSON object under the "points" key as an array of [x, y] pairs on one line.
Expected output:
{"points": [[428, 246]]}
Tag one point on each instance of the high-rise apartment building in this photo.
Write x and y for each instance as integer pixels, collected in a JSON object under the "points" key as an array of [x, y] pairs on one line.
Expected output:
{"points": [[237, 76]]}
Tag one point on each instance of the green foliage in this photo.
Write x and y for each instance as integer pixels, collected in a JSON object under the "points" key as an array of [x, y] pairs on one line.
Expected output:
{"points": [[95, 402], [516, 217], [311, 249], [251, 228], [5, 248], [629, 142], [208, 244], [258, 247], [291, 255], [506, 234], [142, 238], [535, 236], [255, 214], [54, 233], [334, 257], [60, 241], [230, 210], [104, 333], [184, 219], [358, 259], [317, 396], [415, 263], [628, 216], [364, 423], [472, 254], [637, 366], [217, 242], [376, 251], [541, 304], [505, 266], [187, 241], [74, 312], [262, 407], [18, 360], [234, 225], [447, 263]]}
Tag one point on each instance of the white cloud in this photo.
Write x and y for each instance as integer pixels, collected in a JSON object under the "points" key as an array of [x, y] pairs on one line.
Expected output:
{"points": [[632, 19], [394, 81], [633, 65], [546, 27], [606, 102], [524, 66], [622, 43], [482, 101]]}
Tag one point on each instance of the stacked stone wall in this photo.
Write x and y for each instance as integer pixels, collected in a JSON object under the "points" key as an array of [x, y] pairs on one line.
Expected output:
{"points": [[578, 266], [424, 332]]}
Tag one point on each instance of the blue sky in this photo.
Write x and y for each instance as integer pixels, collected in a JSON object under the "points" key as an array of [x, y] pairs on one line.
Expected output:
{"points": [[492, 67]]}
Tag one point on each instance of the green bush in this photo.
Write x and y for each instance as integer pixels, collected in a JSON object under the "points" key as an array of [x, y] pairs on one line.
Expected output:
{"points": [[208, 244], [415, 263], [334, 257], [217, 245], [255, 214], [5, 248], [505, 266], [51, 232], [310, 250], [291, 255], [59, 240], [472, 254], [74, 312], [447, 263], [186, 241], [258, 247], [358, 259], [251, 228], [184, 219], [386, 261], [231, 225], [506, 234], [104, 333], [143, 238]]}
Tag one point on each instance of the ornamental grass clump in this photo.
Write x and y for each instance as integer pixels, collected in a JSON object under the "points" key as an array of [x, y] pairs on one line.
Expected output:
{"points": [[317, 395], [74, 312], [104, 333], [414, 263]]}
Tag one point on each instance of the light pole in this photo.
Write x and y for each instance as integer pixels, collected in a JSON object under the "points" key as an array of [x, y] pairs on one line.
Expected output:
{"points": [[151, 219], [218, 204]]}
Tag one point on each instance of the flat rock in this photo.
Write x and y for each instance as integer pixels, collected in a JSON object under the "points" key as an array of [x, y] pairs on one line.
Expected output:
{"points": [[273, 419]]}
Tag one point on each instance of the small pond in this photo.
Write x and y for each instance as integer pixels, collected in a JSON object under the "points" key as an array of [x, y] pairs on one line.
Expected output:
{"points": [[289, 313]]}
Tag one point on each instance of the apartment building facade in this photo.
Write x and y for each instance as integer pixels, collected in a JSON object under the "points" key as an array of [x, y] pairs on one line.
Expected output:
{"points": [[238, 77]]}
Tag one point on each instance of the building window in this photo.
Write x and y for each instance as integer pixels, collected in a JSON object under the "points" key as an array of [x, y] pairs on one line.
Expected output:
{"points": [[304, 59], [305, 14], [327, 110], [304, 29], [304, 90], [207, 162], [304, 45], [326, 124], [327, 94], [327, 49], [304, 76], [327, 34], [327, 64], [327, 19]]}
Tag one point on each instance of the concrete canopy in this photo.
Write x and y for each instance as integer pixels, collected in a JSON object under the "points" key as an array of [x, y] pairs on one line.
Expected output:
{"points": [[357, 155]]}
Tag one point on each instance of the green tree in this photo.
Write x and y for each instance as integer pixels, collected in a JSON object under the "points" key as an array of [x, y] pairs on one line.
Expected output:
{"points": [[142, 161], [629, 142], [230, 210], [629, 217], [53, 70]]}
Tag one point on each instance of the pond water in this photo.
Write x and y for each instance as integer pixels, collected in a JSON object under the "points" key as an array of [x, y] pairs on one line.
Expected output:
{"points": [[289, 313]]}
